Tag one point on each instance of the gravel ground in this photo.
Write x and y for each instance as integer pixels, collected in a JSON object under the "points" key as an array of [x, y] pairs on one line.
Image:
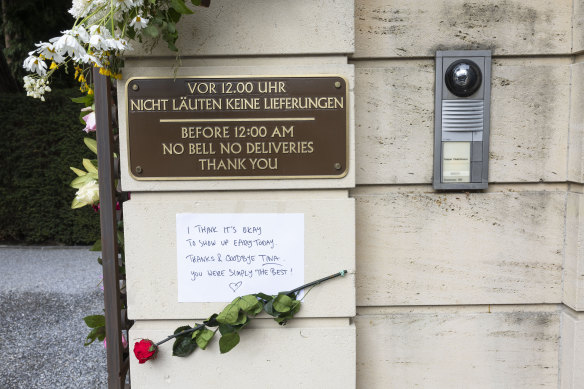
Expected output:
{"points": [[44, 294]]}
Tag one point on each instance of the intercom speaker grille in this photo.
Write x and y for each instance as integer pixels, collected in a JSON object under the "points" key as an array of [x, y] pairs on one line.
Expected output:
{"points": [[462, 115]]}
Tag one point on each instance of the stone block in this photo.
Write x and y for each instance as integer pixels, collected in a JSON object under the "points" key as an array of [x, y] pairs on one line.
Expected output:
{"points": [[573, 269], [578, 27], [151, 248], [460, 347], [401, 28], [255, 27], [571, 350], [576, 149], [529, 121], [424, 248], [394, 121], [303, 354]]}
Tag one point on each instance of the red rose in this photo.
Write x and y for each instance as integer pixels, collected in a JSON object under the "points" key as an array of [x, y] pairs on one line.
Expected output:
{"points": [[145, 350]]}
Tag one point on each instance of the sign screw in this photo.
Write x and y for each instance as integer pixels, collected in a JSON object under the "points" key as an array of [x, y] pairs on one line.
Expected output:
{"points": [[337, 84], [338, 166], [135, 87], [139, 169]]}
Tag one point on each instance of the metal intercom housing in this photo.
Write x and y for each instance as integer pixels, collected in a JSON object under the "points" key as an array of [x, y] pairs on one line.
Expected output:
{"points": [[462, 121]]}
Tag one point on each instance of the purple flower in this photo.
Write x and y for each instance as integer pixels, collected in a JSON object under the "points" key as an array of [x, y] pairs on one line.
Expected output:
{"points": [[89, 120]]}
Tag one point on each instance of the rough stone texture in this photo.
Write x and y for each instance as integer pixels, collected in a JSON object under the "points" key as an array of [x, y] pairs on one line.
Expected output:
{"points": [[395, 121], [44, 295], [257, 27], [529, 121], [578, 28], [572, 350], [417, 247], [303, 354], [402, 28], [576, 148], [132, 185], [462, 347], [573, 282], [329, 246]]}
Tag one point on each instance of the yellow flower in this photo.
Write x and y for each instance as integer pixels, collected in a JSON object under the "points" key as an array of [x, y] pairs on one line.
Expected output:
{"points": [[53, 65]]}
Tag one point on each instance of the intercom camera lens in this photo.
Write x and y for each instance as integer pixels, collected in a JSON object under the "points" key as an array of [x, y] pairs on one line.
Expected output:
{"points": [[463, 78]]}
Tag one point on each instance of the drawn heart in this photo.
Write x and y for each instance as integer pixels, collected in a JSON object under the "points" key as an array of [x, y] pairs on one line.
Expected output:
{"points": [[235, 285]]}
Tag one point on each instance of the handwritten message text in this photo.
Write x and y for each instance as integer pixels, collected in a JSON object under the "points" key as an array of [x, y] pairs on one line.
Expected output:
{"points": [[222, 256]]}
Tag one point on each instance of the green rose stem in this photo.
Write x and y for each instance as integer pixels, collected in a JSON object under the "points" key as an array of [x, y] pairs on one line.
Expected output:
{"points": [[181, 334], [314, 283], [342, 273]]}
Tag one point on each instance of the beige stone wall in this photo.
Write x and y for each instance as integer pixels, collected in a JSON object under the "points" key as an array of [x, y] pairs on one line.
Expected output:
{"points": [[451, 289], [403, 29], [484, 289], [317, 349], [458, 347]]}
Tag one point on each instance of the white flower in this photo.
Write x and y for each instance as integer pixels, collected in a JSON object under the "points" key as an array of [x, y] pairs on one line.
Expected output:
{"points": [[139, 22], [126, 4], [90, 59], [98, 42], [48, 51], [88, 193], [97, 29], [119, 44], [35, 65], [68, 45], [36, 87], [80, 32], [80, 8]]}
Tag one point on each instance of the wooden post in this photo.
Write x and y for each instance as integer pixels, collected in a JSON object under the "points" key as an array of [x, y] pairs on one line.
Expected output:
{"points": [[116, 367]]}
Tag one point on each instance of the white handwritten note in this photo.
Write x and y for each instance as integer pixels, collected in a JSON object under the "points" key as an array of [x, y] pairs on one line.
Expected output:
{"points": [[222, 256]]}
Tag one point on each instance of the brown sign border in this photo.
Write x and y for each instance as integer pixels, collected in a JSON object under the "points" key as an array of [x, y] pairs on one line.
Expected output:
{"points": [[342, 174]]}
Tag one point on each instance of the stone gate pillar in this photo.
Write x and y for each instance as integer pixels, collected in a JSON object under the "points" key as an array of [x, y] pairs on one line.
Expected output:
{"points": [[251, 130]]}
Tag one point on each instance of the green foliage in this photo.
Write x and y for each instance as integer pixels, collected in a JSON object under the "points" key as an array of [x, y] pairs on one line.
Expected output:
{"points": [[184, 344], [163, 22], [203, 337], [97, 325], [234, 317], [228, 341], [39, 143]]}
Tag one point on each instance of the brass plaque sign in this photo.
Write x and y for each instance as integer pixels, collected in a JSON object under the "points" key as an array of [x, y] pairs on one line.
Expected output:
{"points": [[237, 128]]}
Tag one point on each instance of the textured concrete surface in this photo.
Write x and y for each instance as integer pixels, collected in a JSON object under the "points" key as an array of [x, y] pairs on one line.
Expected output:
{"points": [[44, 294], [304, 354], [403, 28], [478, 347], [504, 246], [257, 27]]}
